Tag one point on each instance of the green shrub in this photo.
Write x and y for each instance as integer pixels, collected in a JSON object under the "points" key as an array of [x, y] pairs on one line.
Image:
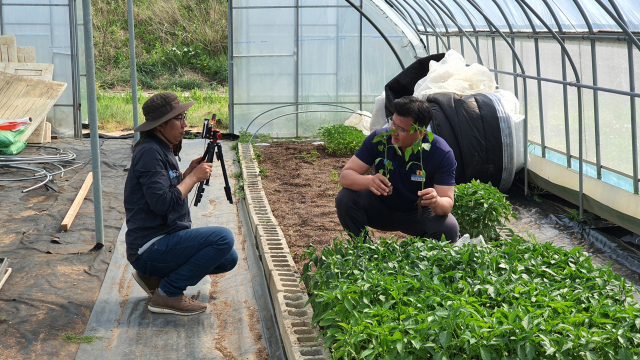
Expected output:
{"points": [[479, 208], [424, 299], [341, 140]]}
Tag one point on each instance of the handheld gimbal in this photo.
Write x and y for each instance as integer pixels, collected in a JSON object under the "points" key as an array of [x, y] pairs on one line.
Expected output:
{"points": [[213, 147]]}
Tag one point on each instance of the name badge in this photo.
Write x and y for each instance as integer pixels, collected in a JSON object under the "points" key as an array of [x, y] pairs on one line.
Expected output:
{"points": [[418, 176]]}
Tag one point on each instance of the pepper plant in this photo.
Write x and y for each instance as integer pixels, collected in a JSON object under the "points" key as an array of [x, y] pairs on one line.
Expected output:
{"points": [[479, 208], [426, 299], [417, 148], [383, 137]]}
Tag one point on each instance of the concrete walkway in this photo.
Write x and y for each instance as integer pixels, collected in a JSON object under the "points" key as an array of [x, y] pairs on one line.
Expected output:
{"points": [[230, 329]]}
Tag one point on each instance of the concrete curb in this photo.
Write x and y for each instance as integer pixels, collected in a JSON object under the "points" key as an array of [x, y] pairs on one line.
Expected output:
{"points": [[288, 294]]}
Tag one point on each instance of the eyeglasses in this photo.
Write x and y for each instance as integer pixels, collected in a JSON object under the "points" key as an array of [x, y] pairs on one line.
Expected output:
{"points": [[393, 125], [182, 118]]}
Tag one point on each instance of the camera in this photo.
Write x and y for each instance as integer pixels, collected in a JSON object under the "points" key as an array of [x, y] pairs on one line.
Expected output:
{"points": [[214, 149], [208, 132]]}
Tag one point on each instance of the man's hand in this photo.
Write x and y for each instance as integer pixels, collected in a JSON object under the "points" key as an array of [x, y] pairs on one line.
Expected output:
{"points": [[428, 197], [379, 184], [192, 166]]}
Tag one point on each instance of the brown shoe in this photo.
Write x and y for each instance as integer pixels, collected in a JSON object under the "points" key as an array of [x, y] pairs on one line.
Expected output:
{"points": [[148, 283], [179, 305]]}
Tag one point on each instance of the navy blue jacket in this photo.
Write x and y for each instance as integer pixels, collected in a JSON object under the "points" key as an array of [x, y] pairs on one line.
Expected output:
{"points": [[439, 166], [153, 203]]}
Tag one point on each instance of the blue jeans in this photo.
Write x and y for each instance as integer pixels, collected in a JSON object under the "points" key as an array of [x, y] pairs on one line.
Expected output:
{"points": [[183, 258]]}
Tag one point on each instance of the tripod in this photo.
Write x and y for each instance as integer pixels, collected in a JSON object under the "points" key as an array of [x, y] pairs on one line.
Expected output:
{"points": [[214, 147]]}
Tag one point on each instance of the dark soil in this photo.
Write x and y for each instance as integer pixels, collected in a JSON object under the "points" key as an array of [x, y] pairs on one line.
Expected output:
{"points": [[301, 193]]}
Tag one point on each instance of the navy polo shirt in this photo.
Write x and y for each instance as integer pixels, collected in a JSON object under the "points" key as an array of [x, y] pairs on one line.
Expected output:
{"points": [[438, 162]]}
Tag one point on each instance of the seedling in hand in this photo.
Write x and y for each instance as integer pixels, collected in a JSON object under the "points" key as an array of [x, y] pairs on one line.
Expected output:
{"points": [[388, 165], [417, 148]]}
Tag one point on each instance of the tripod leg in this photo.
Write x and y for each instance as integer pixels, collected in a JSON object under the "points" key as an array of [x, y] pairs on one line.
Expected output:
{"points": [[227, 188]]}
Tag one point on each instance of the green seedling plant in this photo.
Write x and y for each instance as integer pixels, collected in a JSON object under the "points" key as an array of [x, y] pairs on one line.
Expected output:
{"points": [[417, 148], [341, 140], [311, 156], [383, 137], [335, 177], [481, 208], [427, 299]]}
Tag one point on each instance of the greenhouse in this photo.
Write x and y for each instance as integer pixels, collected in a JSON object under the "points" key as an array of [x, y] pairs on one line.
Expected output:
{"points": [[296, 65]]}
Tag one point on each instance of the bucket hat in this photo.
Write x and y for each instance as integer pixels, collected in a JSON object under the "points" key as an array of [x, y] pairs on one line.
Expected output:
{"points": [[160, 108]]}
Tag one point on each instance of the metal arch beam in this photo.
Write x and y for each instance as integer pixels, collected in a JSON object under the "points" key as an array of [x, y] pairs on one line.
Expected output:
{"points": [[596, 99], [296, 113], [473, 26], [513, 41], [555, 36], [524, 84], [565, 93], [579, 90], [293, 104], [446, 28], [415, 26], [632, 87], [450, 16], [430, 23], [386, 39]]}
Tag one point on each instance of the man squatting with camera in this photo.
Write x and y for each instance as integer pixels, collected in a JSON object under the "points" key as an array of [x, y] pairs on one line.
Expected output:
{"points": [[166, 253], [365, 200]]}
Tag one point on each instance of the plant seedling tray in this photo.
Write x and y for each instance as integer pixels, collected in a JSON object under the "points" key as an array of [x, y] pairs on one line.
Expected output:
{"points": [[5, 271]]}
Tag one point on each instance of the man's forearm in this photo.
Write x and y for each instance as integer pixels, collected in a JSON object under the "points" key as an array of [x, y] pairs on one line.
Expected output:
{"points": [[352, 180], [443, 206]]}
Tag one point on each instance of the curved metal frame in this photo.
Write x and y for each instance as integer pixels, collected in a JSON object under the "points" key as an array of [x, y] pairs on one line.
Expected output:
{"points": [[296, 113]]}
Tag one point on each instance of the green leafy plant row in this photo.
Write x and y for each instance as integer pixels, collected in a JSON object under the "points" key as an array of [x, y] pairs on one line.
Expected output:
{"points": [[425, 299], [341, 140], [479, 208]]}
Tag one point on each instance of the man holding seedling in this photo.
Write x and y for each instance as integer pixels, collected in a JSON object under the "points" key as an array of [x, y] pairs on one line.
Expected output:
{"points": [[413, 186], [166, 253]]}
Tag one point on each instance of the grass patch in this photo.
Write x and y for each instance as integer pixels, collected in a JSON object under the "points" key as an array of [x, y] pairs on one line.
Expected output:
{"points": [[75, 339], [425, 299], [114, 109], [179, 43]]}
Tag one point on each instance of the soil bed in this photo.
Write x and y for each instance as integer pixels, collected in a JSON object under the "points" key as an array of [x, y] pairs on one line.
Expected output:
{"points": [[301, 193]]}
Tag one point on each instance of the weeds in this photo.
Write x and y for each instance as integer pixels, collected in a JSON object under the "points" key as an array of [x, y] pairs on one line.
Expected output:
{"points": [[262, 171], [3, 319], [238, 189], [84, 339], [335, 177]]}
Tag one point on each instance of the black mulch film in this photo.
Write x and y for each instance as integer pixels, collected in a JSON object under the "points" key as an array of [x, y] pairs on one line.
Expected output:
{"points": [[56, 275]]}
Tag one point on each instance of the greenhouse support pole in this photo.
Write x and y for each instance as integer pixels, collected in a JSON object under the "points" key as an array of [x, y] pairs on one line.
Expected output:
{"points": [[134, 77], [93, 120], [230, 64], [360, 56], [75, 72]]}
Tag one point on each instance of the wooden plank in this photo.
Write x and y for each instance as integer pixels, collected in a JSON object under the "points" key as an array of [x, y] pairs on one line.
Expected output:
{"points": [[66, 223], [41, 71], [26, 54], [9, 48], [5, 277], [31, 129], [37, 137], [47, 136]]}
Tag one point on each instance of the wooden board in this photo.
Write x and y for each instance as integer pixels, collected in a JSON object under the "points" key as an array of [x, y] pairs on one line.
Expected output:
{"points": [[35, 70], [71, 214], [4, 278], [8, 49], [47, 136], [22, 97], [38, 135], [26, 54]]}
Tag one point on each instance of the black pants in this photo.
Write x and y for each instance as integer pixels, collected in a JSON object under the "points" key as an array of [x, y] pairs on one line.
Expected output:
{"points": [[357, 209]]}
